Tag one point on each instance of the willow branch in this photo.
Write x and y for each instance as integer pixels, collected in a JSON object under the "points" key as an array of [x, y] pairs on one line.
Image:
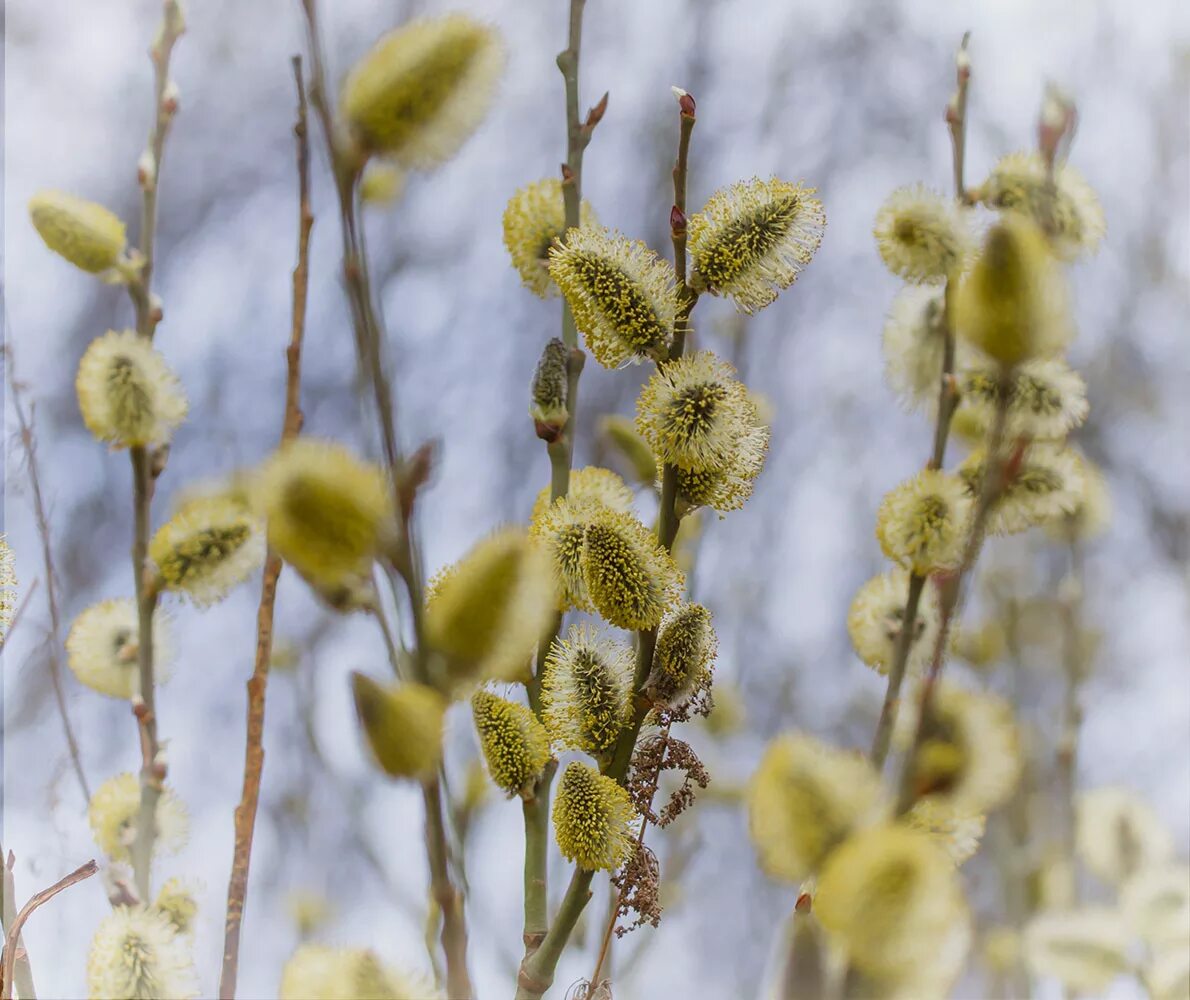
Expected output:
{"points": [[245, 814], [49, 570], [14, 929], [537, 971], [146, 465], [22, 974], [1074, 669], [956, 124]]}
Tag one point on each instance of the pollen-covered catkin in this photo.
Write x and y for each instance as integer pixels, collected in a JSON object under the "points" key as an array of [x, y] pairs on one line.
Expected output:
{"points": [[402, 724], [686, 647], [113, 811], [534, 220], [176, 901], [102, 648], [422, 90], [622, 295], [515, 745], [922, 523], [752, 239], [631, 580], [586, 690], [922, 237], [320, 972], [88, 235], [208, 547], [126, 392], [593, 819], [137, 952]]}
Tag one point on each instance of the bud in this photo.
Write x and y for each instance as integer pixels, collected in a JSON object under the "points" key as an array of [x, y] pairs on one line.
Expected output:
{"points": [[423, 89], [171, 97], [126, 392], [593, 819], [686, 646], [685, 102], [402, 724], [86, 234], [381, 184], [329, 514], [548, 391], [1012, 303], [487, 613], [146, 171], [515, 745]]}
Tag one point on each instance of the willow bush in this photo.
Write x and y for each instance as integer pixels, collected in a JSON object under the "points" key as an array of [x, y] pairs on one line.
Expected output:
{"points": [[571, 639]]}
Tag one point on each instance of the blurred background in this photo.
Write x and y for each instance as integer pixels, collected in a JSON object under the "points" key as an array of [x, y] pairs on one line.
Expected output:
{"points": [[846, 96]]}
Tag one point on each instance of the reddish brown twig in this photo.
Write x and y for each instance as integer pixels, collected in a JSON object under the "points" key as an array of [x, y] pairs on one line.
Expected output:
{"points": [[245, 815], [14, 930]]}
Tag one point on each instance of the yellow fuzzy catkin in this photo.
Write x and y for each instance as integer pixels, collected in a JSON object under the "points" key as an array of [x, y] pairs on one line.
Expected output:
{"points": [[921, 236], [88, 235], [320, 972], [694, 413], [889, 895], [877, 613], [422, 90], [1071, 210], [515, 745], [804, 800], [208, 547], [752, 239], [127, 394], [1084, 949], [176, 901], [593, 819], [329, 514], [1012, 304], [102, 648], [1046, 399], [402, 724], [631, 580], [534, 221], [112, 813], [8, 587], [1046, 486], [922, 523], [586, 690], [487, 613], [686, 647], [138, 953], [622, 295]]}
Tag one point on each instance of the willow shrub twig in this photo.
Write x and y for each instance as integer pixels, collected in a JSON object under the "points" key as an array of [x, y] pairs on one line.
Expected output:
{"points": [[245, 814], [148, 465], [13, 931], [536, 807], [537, 970], [22, 973], [956, 123], [50, 572], [1074, 669], [369, 348], [996, 471]]}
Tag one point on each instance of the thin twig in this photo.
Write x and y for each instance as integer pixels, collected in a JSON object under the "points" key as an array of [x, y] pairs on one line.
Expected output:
{"points": [[245, 814], [956, 123], [146, 465], [22, 975], [537, 970], [14, 930], [17, 615], [29, 446]]}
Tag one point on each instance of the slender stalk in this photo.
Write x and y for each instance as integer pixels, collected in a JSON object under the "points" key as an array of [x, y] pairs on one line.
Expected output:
{"points": [[369, 339], [29, 446], [22, 974], [1074, 670], [536, 808], [245, 814], [956, 123], [14, 929], [146, 466], [537, 970], [991, 486]]}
